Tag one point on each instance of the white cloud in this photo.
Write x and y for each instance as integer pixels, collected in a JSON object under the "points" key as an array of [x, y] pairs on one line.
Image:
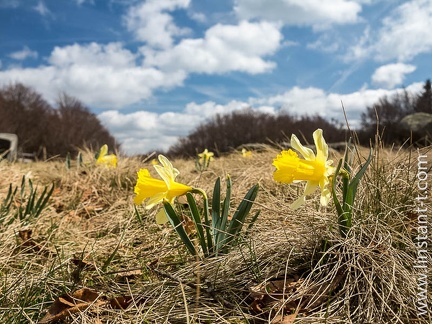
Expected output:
{"points": [[150, 22], [100, 75], [110, 76], [404, 34], [93, 54], [391, 75], [142, 132], [299, 101], [42, 9], [224, 48], [323, 44], [316, 13], [24, 54], [80, 2], [198, 16]]}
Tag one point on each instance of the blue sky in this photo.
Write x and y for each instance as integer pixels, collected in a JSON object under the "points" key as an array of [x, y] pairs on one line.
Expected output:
{"points": [[154, 70]]}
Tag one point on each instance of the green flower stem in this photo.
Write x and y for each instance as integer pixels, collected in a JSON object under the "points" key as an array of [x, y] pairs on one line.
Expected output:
{"points": [[206, 217]]}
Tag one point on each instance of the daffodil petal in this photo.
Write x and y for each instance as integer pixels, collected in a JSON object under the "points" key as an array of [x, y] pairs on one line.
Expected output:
{"points": [[165, 174], [156, 199], [110, 160], [310, 187], [325, 197], [103, 151], [307, 153], [321, 145], [325, 191], [147, 186], [166, 164], [161, 217], [299, 202]]}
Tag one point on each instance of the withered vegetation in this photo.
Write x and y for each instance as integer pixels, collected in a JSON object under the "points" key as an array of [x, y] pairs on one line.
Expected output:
{"points": [[91, 257]]}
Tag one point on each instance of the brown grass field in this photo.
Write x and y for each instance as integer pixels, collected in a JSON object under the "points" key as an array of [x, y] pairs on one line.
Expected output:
{"points": [[89, 257]]}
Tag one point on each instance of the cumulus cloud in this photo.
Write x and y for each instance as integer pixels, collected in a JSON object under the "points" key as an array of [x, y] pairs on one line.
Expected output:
{"points": [[391, 75], [403, 34], [111, 76], [224, 48], [406, 33], [142, 131], [316, 13], [150, 22], [100, 75], [24, 54]]}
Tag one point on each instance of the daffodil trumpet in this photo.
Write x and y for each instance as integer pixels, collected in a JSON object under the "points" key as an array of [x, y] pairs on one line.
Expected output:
{"points": [[153, 191], [313, 168]]}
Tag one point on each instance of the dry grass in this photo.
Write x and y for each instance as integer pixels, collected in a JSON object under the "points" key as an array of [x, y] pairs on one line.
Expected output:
{"points": [[90, 236]]}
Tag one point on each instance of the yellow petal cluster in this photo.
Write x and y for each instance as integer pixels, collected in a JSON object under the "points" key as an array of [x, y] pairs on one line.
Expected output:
{"points": [[246, 153], [106, 159], [156, 190], [316, 170], [205, 156]]}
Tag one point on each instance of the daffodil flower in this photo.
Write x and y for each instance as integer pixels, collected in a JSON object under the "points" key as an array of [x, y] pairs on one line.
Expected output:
{"points": [[205, 157], [104, 159], [315, 169], [246, 153], [156, 190]]}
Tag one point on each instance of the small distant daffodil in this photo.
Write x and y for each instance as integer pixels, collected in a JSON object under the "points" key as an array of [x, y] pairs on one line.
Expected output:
{"points": [[103, 158]]}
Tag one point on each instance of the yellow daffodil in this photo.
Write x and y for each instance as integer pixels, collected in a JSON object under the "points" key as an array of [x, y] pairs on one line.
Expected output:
{"points": [[104, 159], [154, 162], [205, 157], [315, 169], [156, 190], [246, 153]]}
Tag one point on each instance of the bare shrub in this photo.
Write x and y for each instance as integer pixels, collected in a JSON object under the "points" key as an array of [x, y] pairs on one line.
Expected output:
{"points": [[42, 128], [223, 133]]}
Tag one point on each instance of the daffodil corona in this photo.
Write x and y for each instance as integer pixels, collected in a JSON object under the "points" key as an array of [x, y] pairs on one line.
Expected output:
{"points": [[105, 159], [155, 190], [315, 169]]}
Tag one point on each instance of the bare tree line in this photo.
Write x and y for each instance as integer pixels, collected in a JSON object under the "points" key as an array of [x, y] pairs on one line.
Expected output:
{"points": [[223, 133], [70, 125], [46, 130]]}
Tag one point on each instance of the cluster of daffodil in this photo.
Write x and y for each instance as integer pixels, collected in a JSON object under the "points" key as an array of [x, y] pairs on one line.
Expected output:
{"points": [[215, 236], [203, 161], [318, 171]]}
